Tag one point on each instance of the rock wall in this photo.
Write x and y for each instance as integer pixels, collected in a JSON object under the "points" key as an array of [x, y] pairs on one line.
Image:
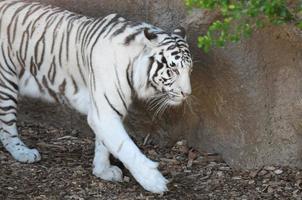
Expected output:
{"points": [[247, 102]]}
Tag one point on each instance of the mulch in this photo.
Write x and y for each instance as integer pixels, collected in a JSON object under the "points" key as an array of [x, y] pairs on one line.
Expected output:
{"points": [[65, 172]]}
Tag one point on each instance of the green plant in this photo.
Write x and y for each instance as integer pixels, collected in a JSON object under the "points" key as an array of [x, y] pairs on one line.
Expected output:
{"points": [[238, 18]]}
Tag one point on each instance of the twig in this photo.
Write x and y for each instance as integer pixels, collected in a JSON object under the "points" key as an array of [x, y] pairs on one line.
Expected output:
{"points": [[146, 139]]}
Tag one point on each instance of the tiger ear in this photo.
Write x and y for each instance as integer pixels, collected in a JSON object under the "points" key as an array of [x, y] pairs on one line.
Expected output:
{"points": [[149, 35], [180, 31]]}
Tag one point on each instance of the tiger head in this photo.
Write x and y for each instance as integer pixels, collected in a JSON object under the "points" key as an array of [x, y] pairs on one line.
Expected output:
{"points": [[170, 66]]}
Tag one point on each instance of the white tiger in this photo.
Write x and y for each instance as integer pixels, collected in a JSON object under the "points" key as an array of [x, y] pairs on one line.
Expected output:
{"points": [[96, 66]]}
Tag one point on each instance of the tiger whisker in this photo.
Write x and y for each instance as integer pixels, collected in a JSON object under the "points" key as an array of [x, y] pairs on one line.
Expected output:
{"points": [[184, 107], [197, 61], [189, 104], [165, 106], [155, 98], [156, 103], [160, 108]]}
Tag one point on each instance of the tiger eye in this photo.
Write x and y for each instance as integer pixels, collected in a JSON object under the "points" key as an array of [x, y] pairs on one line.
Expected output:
{"points": [[169, 72], [176, 71]]}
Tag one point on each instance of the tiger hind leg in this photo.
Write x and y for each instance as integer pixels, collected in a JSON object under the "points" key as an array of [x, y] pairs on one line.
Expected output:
{"points": [[101, 164], [8, 118]]}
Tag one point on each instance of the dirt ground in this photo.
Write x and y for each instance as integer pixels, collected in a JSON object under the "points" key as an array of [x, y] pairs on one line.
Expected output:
{"points": [[65, 172]]}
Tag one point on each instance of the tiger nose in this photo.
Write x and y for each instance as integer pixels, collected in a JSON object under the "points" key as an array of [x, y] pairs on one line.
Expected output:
{"points": [[185, 94], [186, 91]]}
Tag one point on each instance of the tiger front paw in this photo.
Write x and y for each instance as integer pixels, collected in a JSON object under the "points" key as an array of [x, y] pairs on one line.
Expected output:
{"points": [[150, 178]]}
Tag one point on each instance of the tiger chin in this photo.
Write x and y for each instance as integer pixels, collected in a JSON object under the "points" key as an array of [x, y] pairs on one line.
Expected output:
{"points": [[96, 66]]}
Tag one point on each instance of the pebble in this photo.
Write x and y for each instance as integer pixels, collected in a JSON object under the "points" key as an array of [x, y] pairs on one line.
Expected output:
{"points": [[181, 142], [236, 178], [10, 188], [269, 168], [270, 190], [224, 168], [253, 174], [262, 173], [220, 173], [152, 152], [126, 179], [278, 171], [299, 184]]}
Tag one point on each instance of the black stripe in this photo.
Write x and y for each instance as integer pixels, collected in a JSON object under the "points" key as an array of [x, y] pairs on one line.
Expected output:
{"points": [[173, 46], [128, 78], [183, 46], [110, 29], [76, 89], [14, 85], [120, 30], [122, 98], [10, 134], [33, 68], [94, 43], [30, 12], [164, 60], [52, 71], [10, 59], [131, 37], [151, 61], [9, 97], [159, 66], [8, 113], [152, 85], [14, 29], [50, 91], [24, 44], [91, 31], [9, 5], [174, 53], [103, 21], [9, 123], [118, 80], [61, 49], [79, 67], [41, 41], [5, 70], [113, 108], [8, 88], [8, 108], [167, 42], [55, 33], [15, 20], [37, 19], [6, 63], [83, 27], [69, 29]]}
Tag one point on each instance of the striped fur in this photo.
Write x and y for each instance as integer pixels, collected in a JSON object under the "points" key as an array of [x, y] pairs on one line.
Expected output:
{"points": [[95, 66]]}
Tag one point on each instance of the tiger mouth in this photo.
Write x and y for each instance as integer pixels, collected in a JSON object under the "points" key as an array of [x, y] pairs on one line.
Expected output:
{"points": [[175, 99]]}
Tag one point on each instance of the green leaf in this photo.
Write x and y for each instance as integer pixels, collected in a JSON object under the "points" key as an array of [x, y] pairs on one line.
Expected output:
{"points": [[239, 18], [299, 25]]}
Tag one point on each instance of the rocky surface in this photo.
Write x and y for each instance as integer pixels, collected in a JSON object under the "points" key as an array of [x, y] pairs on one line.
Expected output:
{"points": [[247, 105]]}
